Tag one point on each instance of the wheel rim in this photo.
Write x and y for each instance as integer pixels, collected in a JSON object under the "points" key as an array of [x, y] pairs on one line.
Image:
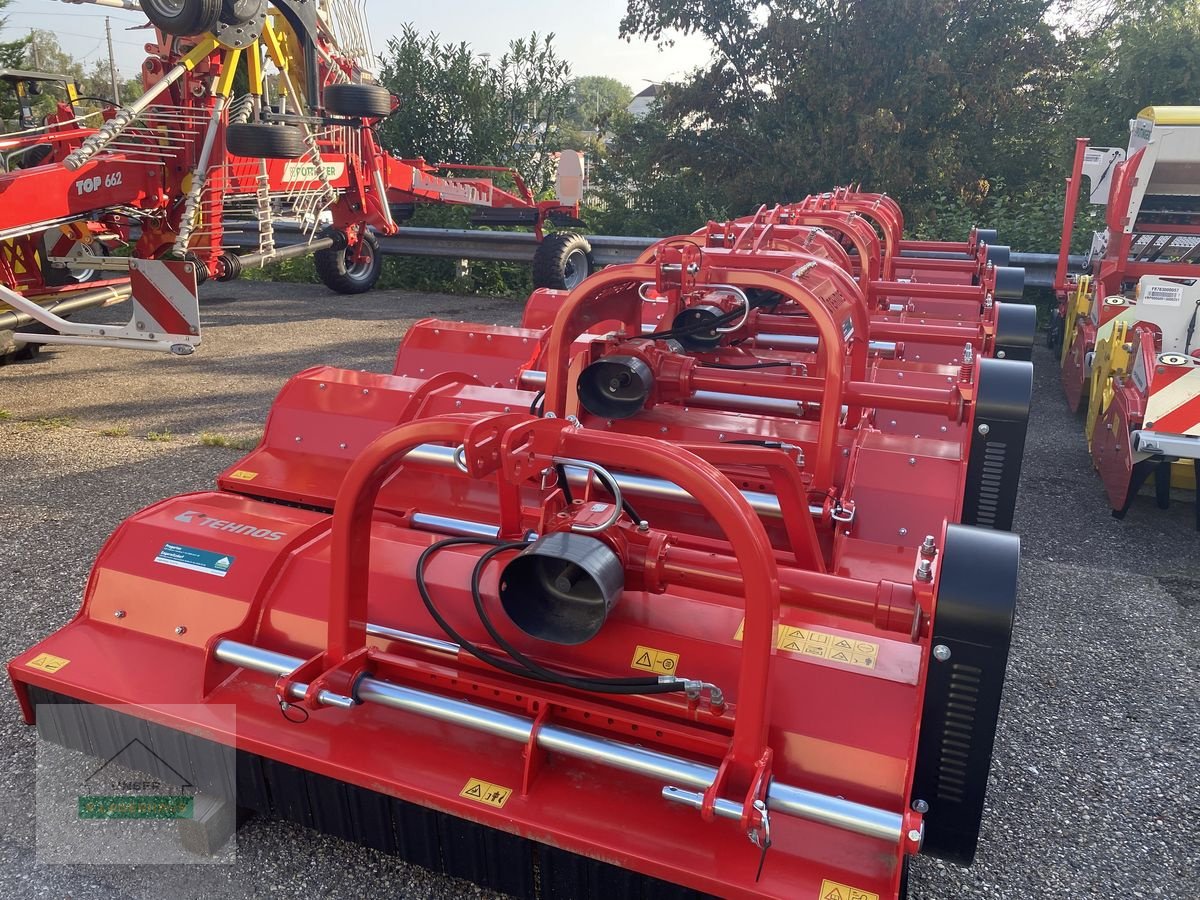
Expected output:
{"points": [[360, 268], [78, 251], [575, 272], [172, 8]]}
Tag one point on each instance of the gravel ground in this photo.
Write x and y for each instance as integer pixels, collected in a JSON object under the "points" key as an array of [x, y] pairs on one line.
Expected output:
{"points": [[1095, 790]]}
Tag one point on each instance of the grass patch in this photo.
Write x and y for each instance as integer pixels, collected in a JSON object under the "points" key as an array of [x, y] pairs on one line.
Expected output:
{"points": [[53, 422], [5, 415], [160, 437], [115, 431], [228, 443]]}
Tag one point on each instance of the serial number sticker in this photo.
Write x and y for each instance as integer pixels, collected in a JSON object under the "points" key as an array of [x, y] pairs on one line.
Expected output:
{"points": [[822, 645], [485, 792], [47, 662], [647, 659], [1162, 295], [835, 890], [243, 475]]}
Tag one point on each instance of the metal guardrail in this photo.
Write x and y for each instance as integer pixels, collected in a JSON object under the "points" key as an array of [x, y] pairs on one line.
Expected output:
{"points": [[518, 246]]}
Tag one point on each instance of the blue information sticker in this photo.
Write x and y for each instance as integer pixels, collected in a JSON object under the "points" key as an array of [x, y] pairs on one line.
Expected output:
{"points": [[195, 560]]}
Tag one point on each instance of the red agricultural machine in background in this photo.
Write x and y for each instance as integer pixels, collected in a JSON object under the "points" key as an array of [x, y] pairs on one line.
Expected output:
{"points": [[695, 582], [1130, 348], [195, 150]]}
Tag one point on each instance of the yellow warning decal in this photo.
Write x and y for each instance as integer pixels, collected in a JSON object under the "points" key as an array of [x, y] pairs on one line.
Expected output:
{"points": [[486, 792], [647, 659], [243, 475], [823, 645], [47, 662], [834, 890]]}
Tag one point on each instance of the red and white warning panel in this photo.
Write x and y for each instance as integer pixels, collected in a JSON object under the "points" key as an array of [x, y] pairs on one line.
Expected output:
{"points": [[165, 300], [166, 312]]}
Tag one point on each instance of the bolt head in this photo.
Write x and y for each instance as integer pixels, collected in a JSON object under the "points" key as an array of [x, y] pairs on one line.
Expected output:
{"points": [[920, 806], [914, 835], [120, 614], [181, 629], [903, 531], [984, 429], [941, 653]]}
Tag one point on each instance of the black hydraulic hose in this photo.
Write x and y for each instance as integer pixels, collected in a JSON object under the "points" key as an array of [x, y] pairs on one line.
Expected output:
{"points": [[518, 664]]}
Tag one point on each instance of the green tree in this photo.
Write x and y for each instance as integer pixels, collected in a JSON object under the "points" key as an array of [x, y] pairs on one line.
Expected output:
{"points": [[913, 97], [12, 56], [93, 82], [459, 106], [97, 83], [633, 193], [1145, 53], [594, 100]]}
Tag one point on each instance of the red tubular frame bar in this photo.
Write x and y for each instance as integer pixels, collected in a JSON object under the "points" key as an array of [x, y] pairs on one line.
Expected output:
{"points": [[897, 397], [600, 299], [890, 606], [1069, 208], [350, 549]]}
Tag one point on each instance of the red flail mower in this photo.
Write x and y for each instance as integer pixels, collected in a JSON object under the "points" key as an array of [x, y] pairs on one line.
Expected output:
{"points": [[696, 582]]}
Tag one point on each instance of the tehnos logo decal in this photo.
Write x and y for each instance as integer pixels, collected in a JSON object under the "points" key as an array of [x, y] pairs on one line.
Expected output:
{"points": [[200, 520]]}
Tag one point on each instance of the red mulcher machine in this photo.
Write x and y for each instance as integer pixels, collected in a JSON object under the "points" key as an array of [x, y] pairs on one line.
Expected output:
{"points": [[696, 582]]}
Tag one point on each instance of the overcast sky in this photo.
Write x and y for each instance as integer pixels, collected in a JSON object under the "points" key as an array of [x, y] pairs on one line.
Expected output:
{"points": [[586, 33]]}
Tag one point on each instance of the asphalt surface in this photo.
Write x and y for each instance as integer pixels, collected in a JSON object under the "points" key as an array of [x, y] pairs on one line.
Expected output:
{"points": [[1095, 789]]}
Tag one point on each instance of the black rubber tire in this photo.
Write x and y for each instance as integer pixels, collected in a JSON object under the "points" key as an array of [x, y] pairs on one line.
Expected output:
{"points": [[998, 254], [34, 156], [183, 19], [266, 141], [336, 272], [557, 259], [1055, 333], [26, 352], [360, 100], [1016, 330]]}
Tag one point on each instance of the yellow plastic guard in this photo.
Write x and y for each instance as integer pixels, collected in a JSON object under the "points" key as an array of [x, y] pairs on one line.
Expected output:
{"points": [[1171, 115], [1079, 305], [1111, 359]]}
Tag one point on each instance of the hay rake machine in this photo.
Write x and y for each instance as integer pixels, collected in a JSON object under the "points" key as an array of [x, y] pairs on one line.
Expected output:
{"points": [[1128, 326], [577, 609], [193, 153]]}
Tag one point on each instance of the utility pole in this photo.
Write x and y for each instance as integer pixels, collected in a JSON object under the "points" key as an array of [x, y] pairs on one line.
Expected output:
{"points": [[37, 60], [112, 62]]}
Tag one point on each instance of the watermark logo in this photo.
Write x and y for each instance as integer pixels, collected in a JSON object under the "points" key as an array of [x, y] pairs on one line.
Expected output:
{"points": [[143, 798], [113, 789]]}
